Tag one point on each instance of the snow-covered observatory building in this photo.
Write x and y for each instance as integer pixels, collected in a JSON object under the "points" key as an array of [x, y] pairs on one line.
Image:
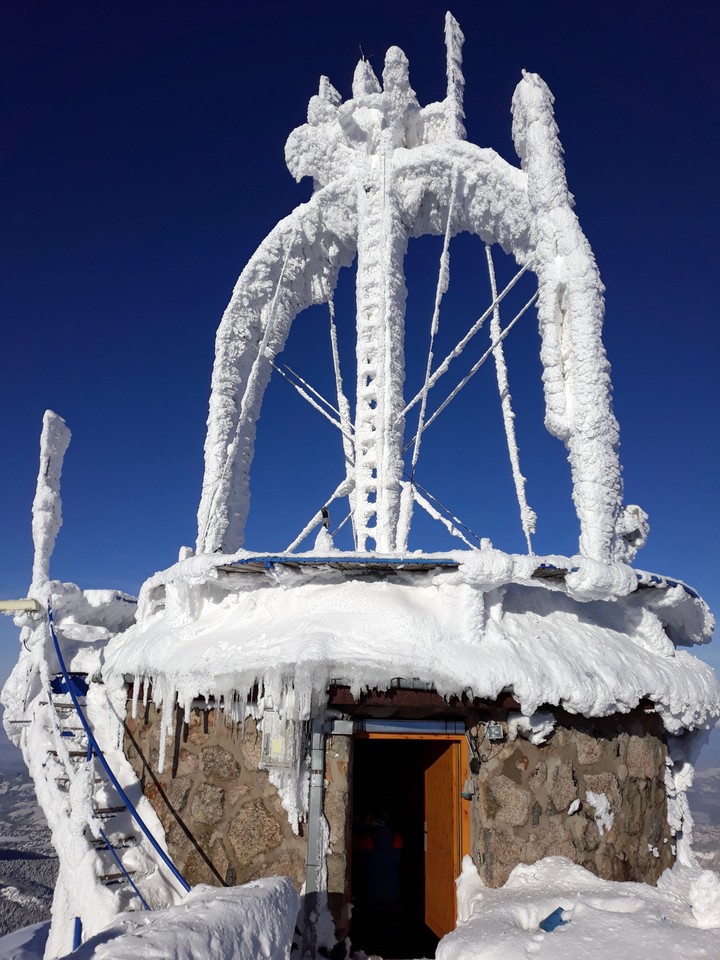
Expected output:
{"points": [[505, 706]]}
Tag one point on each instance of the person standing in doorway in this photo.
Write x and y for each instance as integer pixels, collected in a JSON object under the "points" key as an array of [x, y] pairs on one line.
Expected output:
{"points": [[378, 856]]}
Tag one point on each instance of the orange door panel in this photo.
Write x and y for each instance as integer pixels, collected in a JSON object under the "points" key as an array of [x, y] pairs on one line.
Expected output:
{"points": [[443, 843]]}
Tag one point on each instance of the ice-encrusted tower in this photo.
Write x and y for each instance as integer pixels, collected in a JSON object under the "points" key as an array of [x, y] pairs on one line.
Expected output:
{"points": [[386, 169], [510, 707]]}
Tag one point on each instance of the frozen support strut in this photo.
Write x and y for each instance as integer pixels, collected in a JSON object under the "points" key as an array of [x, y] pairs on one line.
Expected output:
{"points": [[576, 373], [314, 886]]}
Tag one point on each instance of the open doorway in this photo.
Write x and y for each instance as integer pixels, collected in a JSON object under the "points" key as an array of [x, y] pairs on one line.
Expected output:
{"points": [[409, 834]]}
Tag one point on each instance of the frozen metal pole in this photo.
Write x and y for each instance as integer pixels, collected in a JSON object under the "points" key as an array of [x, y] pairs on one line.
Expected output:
{"points": [[314, 879]]}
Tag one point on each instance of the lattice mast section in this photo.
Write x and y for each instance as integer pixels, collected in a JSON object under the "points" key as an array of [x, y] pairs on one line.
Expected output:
{"points": [[382, 244], [386, 169]]}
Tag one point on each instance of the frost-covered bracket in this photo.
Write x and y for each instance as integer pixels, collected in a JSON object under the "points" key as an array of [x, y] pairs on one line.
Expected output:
{"points": [[386, 169]]}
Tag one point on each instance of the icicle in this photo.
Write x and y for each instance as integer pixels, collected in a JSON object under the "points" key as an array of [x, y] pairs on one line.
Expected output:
{"points": [[47, 505], [528, 517], [167, 724], [454, 39], [135, 695]]}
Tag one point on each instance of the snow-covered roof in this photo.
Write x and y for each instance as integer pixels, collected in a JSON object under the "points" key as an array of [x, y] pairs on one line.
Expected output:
{"points": [[595, 640]]}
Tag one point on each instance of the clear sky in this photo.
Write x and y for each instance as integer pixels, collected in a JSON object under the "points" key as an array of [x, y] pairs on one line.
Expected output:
{"points": [[141, 163]]}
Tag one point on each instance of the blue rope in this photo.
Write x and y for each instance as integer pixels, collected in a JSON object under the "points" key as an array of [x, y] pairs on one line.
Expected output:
{"points": [[106, 766], [119, 862]]}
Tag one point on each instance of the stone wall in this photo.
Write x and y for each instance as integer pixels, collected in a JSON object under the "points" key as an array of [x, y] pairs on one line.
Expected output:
{"points": [[533, 801], [224, 822], [223, 819]]}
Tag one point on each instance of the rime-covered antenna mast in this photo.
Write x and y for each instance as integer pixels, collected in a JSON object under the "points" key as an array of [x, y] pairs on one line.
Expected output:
{"points": [[386, 169], [47, 505]]}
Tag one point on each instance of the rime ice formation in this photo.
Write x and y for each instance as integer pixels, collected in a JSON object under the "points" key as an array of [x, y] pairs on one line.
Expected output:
{"points": [[267, 636], [47, 508], [586, 633], [39, 719], [386, 169], [208, 627]]}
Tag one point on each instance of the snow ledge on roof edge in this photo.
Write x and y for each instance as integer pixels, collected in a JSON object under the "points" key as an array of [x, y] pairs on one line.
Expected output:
{"points": [[554, 630]]}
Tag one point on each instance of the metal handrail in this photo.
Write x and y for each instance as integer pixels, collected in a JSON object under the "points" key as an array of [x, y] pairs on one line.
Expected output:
{"points": [[106, 766]]}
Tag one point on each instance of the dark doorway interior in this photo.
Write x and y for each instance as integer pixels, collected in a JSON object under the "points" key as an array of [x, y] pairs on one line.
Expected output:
{"points": [[388, 778]]}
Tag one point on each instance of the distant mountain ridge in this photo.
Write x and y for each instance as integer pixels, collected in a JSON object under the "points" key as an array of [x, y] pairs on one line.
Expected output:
{"points": [[705, 805]]}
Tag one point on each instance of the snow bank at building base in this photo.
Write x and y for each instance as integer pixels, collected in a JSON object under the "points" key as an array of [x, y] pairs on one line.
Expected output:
{"points": [[252, 922], [677, 920]]}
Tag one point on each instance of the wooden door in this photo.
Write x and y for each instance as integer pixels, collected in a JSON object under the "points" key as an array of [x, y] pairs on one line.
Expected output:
{"points": [[443, 841]]}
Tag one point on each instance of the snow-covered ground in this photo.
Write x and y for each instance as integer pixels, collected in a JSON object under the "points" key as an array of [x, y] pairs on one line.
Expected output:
{"points": [[704, 800], [678, 920], [28, 862]]}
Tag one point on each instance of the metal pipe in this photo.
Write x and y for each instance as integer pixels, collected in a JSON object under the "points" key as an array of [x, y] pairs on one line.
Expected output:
{"points": [[92, 742], [314, 861]]}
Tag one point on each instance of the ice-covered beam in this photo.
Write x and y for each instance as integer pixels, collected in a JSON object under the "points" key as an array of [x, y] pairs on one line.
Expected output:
{"points": [[455, 111], [295, 266], [382, 167], [382, 242], [570, 309], [47, 505]]}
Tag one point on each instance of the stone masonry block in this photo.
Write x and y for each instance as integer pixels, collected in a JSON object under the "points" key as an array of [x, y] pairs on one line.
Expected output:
{"points": [[589, 749], [511, 801], [253, 832], [207, 804], [219, 763]]}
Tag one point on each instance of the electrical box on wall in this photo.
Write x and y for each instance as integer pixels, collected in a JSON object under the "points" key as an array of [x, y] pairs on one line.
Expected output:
{"points": [[494, 731], [278, 747]]}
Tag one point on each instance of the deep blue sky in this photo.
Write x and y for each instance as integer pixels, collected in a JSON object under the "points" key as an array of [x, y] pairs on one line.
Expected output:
{"points": [[141, 162]]}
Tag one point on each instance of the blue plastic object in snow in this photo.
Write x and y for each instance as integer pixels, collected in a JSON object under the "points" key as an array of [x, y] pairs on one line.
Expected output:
{"points": [[553, 921]]}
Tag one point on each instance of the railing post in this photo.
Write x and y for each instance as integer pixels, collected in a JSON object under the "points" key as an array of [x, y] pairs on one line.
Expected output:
{"points": [[77, 933]]}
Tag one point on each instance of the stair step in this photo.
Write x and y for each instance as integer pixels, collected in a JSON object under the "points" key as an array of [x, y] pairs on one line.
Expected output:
{"points": [[109, 811], [122, 843], [65, 781], [110, 878], [71, 753], [66, 705]]}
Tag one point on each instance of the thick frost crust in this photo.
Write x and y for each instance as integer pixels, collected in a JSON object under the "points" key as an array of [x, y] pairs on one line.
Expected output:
{"points": [[386, 169], [47, 505], [488, 626]]}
